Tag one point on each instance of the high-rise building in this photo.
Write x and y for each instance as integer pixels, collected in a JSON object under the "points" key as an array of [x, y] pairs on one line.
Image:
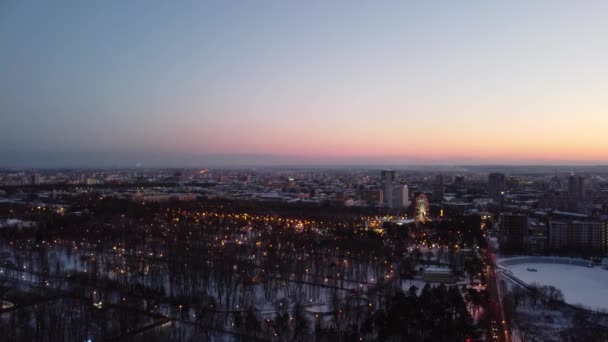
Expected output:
{"points": [[438, 189], [576, 187], [513, 230], [590, 236], [35, 179], [496, 184], [471, 227], [291, 184], [388, 178], [459, 180], [401, 198], [373, 197]]}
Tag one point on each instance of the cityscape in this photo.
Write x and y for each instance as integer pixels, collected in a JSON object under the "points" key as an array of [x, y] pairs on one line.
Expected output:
{"points": [[303, 171], [304, 254]]}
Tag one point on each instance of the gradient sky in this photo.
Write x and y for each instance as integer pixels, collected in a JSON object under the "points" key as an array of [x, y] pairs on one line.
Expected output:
{"points": [[108, 83]]}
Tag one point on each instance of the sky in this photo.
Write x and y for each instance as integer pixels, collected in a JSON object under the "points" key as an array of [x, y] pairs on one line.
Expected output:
{"points": [[195, 83]]}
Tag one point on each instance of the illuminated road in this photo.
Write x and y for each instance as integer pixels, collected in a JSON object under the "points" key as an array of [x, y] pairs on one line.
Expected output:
{"points": [[498, 329]]}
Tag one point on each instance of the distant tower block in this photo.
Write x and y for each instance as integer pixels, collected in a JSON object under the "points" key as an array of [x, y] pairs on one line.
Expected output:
{"points": [[388, 178]]}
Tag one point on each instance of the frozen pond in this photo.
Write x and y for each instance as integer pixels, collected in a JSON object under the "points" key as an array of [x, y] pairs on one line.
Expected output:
{"points": [[580, 285]]}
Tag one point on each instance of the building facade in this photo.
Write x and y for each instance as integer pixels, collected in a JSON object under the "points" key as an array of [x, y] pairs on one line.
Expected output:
{"points": [[579, 236], [496, 184], [388, 180], [513, 231], [438, 189], [401, 197], [576, 187]]}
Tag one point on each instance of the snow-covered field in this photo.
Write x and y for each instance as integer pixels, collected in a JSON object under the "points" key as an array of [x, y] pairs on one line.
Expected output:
{"points": [[580, 285]]}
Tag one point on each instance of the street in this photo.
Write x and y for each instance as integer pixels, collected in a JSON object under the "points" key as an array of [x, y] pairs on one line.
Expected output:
{"points": [[498, 329]]}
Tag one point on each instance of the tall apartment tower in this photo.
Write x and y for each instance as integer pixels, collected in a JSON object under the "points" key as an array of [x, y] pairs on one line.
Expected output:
{"points": [[589, 236], [35, 179], [513, 230], [496, 184], [401, 196], [388, 178], [576, 187], [438, 189]]}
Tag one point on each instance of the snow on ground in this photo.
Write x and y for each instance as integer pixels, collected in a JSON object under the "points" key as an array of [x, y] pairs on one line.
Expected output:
{"points": [[539, 325], [5, 304], [580, 285], [318, 308]]}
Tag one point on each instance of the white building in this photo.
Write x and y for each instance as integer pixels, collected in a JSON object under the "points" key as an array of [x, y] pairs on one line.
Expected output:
{"points": [[401, 197]]}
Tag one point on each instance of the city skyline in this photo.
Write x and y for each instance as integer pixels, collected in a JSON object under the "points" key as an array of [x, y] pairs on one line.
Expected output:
{"points": [[270, 170], [125, 84]]}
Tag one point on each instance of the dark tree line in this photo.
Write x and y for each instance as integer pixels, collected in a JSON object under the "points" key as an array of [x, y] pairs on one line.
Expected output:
{"points": [[437, 314]]}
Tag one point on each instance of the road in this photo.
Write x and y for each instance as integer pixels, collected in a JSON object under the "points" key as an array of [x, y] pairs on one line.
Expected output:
{"points": [[498, 329]]}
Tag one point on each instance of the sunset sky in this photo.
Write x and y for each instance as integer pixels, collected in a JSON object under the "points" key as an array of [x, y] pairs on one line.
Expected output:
{"points": [[98, 83]]}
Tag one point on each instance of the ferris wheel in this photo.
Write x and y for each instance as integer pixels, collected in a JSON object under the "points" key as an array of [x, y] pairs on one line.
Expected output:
{"points": [[422, 209]]}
